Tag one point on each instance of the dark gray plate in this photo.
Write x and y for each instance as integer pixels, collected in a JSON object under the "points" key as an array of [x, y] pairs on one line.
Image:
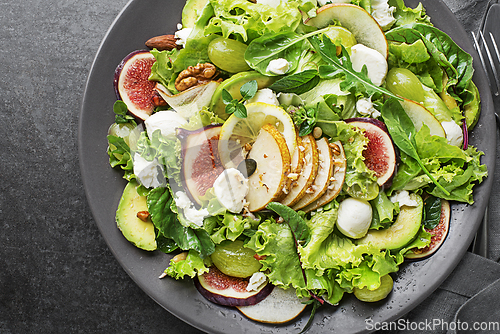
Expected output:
{"points": [[104, 186]]}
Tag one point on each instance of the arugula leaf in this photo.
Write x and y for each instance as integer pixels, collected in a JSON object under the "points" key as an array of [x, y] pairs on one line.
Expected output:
{"points": [[432, 212], [353, 80], [287, 45], [297, 83], [403, 133]]}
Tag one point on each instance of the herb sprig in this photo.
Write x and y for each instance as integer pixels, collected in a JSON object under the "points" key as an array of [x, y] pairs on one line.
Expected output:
{"points": [[247, 91]]}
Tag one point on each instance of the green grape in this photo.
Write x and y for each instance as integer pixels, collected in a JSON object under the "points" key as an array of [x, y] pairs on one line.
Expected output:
{"points": [[371, 192], [231, 258], [228, 55], [403, 82], [365, 295], [340, 35]]}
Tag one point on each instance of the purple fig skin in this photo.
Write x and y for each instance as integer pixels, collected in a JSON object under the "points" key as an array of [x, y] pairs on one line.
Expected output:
{"points": [[184, 136], [119, 69], [440, 231], [232, 301], [374, 121]]}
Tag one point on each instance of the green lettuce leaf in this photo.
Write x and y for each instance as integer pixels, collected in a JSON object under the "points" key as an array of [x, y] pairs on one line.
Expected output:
{"points": [[245, 21], [191, 266], [405, 15], [119, 155]]}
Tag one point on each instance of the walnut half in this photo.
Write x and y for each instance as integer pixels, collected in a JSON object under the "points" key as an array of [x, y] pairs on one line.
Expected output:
{"points": [[195, 75]]}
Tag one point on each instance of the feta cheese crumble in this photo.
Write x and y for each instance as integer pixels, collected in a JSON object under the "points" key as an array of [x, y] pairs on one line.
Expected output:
{"points": [[182, 35], [365, 107], [278, 66], [403, 198], [383, 13], [190, 212], [454, 133], [265, 95], [149, 173], [230, 188]]}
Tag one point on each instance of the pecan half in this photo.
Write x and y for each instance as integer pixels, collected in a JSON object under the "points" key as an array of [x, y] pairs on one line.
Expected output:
{"points": [[163, 42]]}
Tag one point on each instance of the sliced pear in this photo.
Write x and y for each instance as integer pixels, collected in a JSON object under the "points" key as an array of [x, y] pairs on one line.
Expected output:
{"points": [[336, 181], [271, 154], [296, 165], [279, 307], [355, 19], [306, 177], [322, 180], [419, 115]]}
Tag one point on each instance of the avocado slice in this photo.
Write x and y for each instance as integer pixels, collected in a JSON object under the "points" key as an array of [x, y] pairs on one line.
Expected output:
{"points": [[233, 85], [191, 11], [140, 233], [404, 229]]}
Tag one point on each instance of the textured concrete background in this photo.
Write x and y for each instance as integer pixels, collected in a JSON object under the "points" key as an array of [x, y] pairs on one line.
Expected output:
{"points": [[56, 272]]}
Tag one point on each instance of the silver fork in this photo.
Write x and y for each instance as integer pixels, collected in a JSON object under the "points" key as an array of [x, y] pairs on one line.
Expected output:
{"points": [[484, 43]]}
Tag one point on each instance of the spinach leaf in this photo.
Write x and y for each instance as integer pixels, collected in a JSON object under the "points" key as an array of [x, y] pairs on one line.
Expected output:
{"points": [[403, 133], [432, 212], [287, 45], [297, 225], [297, 83], [160, 202], [353, 81], [449, 56]]}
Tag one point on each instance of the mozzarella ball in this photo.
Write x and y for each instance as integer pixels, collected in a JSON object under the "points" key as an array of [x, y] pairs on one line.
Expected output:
{"points": [[355, 217]]}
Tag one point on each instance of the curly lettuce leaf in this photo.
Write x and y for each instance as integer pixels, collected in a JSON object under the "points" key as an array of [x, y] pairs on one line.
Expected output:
{"points": [[119, 155], [191, 266], [406, 15], [230, 226], [245, 20]]}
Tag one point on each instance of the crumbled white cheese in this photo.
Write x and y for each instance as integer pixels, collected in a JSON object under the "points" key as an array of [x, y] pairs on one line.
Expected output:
{"points": [[182, 35], [265, 95], [383, 13], [365, 107], [149, 173], [354, 217], [454, 133], [256, 281], [375, 62], [166, 121], [230, 188], [403, 198], [278, 66], [190, 212], [271, 3]]}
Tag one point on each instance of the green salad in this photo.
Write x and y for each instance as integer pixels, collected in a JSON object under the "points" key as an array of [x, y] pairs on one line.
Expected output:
{"points": [[296, 150]]}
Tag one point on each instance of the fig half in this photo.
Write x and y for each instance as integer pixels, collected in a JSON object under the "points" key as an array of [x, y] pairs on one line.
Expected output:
{"points": [[222, 289], [132, 85], [380, 155], [438, 233], [200, 160]]}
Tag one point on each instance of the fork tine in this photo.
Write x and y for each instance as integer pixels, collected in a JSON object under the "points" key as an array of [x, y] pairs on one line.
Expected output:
{"points": [[481, 58], [492, 63]]}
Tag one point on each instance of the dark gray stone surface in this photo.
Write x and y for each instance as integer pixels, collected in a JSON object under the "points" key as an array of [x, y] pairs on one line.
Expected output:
{"points": [[56, 272]]}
